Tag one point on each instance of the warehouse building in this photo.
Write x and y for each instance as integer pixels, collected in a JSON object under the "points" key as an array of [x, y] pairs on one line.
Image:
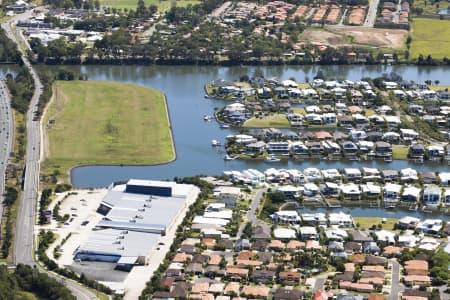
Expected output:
{"points": [[136, 214]]}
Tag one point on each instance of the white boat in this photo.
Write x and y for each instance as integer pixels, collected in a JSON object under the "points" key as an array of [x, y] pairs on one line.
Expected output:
{"points": [[215, 143], [388, 159], [224, 126], [207, 118], [271, 159], [227, 157]]}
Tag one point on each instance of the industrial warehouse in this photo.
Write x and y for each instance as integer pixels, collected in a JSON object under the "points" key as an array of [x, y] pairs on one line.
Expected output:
{"points": [[136, 214]]}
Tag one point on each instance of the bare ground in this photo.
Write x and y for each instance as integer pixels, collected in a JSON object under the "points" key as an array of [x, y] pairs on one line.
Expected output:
{"points": [[341, 36]]}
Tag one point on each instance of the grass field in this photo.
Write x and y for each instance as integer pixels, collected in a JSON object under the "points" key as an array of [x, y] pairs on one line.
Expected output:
{"points": [[430, 37], [400, 151], [100, 122], [162, 5], [269, 121], [367, 222]]}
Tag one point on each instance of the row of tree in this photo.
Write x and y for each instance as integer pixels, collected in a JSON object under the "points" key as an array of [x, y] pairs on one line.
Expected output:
{"points": [[27, 279]]}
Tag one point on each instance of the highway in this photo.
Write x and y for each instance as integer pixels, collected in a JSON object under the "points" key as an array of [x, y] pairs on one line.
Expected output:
{"points": [[6, 137], [26, 217]]}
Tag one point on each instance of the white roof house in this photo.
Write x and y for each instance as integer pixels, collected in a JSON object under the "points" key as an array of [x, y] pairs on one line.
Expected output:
{"points": [[284, 233], [336, 234], [286, 216], [316, 218], [444, 177], [430, 226], [341, 219], [411, 193], [391, 192], [385, 235], [408, 174], [408, 240]]}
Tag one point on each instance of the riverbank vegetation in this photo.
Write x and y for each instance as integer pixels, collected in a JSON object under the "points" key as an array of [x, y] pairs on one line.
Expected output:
{"points": [[94, 122]]}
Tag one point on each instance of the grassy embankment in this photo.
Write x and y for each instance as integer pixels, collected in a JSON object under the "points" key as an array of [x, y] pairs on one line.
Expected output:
{"points": [[132, 4], [430, 37], [430, 7], [99, 122], [276, 120]]}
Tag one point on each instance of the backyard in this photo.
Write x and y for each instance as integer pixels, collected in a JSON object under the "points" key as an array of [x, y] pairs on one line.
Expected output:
{"points": [[99, 122]]}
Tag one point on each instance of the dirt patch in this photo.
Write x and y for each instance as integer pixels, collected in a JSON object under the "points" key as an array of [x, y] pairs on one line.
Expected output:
{"points": [[340, 36], [324, 37]]}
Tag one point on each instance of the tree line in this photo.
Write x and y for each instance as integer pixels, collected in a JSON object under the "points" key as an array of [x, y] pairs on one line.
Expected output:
{"points": [[28, 279]]}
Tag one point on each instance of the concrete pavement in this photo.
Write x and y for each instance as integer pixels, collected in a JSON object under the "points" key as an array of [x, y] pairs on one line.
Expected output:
{"points": [[371, 13], [396, 286]]}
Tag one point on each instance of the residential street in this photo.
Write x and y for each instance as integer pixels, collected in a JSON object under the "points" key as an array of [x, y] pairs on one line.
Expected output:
{"points": [[252, 212], [396, 286]]}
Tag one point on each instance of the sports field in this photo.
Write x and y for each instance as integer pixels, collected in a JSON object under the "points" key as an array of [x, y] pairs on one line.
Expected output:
{"points": [[430, 37], [162, 5], [100, 122]]}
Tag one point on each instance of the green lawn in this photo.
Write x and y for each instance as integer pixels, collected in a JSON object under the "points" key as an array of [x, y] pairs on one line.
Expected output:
{"points": [[400, 151], [430, 37], [100, 122], [299, 110], [367, 222], [269, 121], [162, 5]]}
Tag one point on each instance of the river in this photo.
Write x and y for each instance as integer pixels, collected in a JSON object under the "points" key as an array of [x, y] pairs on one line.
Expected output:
{"points": [[183, 86]]}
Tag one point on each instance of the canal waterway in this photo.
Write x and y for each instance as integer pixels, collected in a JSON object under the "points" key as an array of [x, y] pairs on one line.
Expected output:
{"points": [[183, 86]]}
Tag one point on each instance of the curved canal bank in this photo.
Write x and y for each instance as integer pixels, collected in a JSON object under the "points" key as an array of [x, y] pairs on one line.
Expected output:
{"points": [[184, 88]]}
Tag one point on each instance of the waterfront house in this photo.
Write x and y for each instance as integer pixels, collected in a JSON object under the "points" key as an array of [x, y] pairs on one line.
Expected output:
{"points": [[351, 191], [278, 148], [408, 175], [444, 178], [290, 216], [349, 148], [330, 189], [430, 226], [416, 151], [408, 222], [331, 174], [358, 134], [371, 174], [432, 195], [331, 147], [411, 194], [312, 174], [341, 219], [391, 192], [446, 199], [314, 219], [383, 149], [299, 148], [315, 148], [352, 174], [435, 152], [255, 148], [370, 190], [428, 177], [389, 175]]}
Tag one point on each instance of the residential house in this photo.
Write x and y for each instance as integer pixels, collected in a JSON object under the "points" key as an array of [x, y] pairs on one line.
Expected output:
{"points": [[289, 278], [432, 195], [411, 194]]}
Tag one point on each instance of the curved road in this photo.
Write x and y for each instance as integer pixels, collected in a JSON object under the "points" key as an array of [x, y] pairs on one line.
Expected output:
{"points": [[26, 217]]}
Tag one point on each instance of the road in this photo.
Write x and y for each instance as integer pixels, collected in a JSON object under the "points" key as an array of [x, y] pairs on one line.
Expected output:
{"points": [[6, 137], [26, 217], [252, 212], [371, 13], [396, 286]]}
